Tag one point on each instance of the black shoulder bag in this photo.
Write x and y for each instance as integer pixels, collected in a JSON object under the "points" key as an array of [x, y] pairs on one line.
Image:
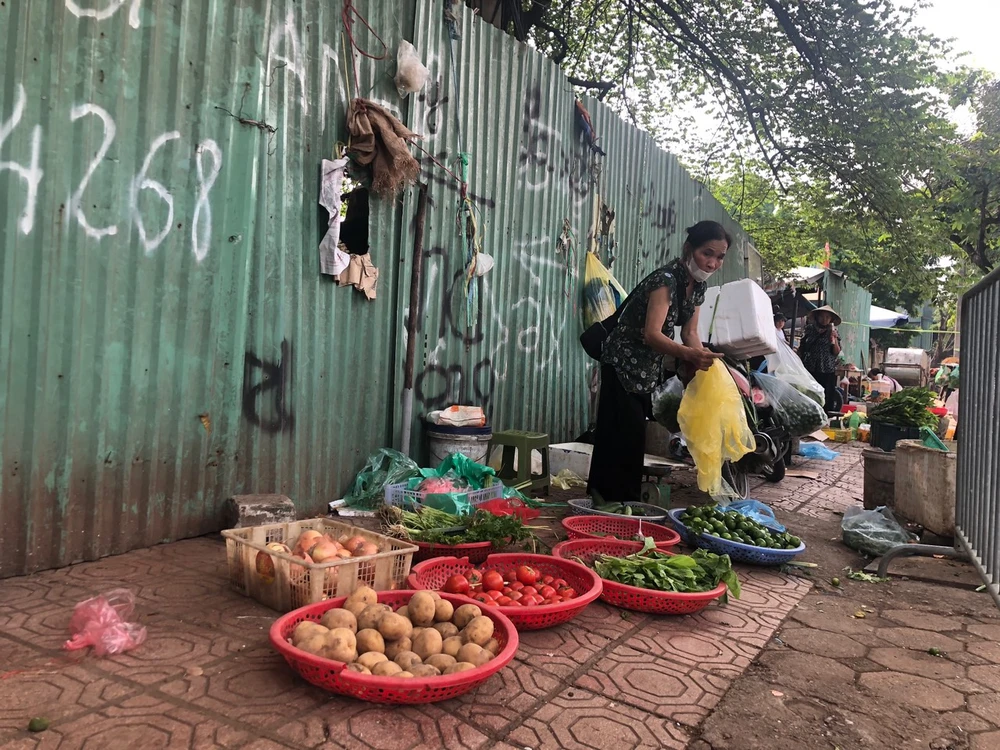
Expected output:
{"points": [[594, 337]]}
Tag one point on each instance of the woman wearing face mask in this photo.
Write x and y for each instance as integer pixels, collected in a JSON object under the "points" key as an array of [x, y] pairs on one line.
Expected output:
{"points": [[819, 351], [632, 361]]}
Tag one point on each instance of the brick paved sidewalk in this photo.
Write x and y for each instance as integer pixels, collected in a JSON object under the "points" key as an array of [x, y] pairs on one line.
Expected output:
{"points": [[207, 678]]}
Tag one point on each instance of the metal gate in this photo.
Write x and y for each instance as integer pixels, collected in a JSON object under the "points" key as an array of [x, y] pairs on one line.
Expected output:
{"points": [[977, 511]]}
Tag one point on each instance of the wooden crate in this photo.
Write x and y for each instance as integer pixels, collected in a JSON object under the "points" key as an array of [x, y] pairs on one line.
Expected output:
{"points": [[284, 583]]}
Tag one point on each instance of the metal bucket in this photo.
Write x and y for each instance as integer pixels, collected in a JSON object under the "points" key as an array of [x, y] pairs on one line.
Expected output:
{"points": [[469, 441]]}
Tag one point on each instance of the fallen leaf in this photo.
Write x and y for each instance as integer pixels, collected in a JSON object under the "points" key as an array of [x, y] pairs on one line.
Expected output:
{"points": [[859, 615]]}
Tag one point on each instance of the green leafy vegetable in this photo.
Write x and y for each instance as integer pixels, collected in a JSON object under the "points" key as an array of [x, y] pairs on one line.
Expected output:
{"points": [[907, 408], [438, 527], [649, 569]]}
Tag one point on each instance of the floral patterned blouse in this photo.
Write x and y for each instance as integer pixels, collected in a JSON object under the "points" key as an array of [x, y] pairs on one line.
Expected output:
{"points": [[639, 367], [816, 351]]}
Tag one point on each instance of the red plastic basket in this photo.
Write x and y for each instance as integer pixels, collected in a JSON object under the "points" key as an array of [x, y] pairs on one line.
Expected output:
{"points": [[510, 507], [601, 527], [433, 574], [477, 552], [633, 597], [333, 676]]}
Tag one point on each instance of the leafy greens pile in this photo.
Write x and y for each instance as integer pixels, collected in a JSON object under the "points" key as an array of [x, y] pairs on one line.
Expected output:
{"points": [[438, 527], [649, 569], [907, 408]]}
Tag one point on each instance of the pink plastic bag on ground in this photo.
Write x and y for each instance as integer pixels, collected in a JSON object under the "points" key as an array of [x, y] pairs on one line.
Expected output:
{"points": [[101, 622]]}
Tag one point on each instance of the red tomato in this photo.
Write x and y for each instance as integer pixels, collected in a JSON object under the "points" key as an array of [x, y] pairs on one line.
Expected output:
{"points": [[482, 598], [529, 590], [493, 594], [474, 576], [516, 586], [490, 603], [457, 585], [507, 590], [504, 601], [558, 582], [547, 580], [526, 574], [546, 592], [514, 595], [492, 581], [567, 593], [553, 600], [531, 600]]}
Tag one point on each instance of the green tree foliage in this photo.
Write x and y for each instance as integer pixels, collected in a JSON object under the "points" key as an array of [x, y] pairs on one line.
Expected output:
{"points": [[834, 122]]}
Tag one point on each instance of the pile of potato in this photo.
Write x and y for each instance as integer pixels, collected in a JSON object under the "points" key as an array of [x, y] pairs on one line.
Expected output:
{"points": [[426, 638]]}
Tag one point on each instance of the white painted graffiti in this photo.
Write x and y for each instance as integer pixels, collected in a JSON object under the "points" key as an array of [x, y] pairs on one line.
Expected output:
{"points": [[143, 182], [32, 175], [102, 14], [76, 199], [284, 35], [208, 164], [201, 224]]}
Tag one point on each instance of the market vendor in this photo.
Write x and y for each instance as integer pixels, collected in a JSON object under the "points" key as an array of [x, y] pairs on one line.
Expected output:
{"points": [[879, 376], [634, 358], [819, 350]]}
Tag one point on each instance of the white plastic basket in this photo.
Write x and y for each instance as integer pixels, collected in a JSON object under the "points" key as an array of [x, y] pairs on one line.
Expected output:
{"points": [[397, 494], [282, 582]]}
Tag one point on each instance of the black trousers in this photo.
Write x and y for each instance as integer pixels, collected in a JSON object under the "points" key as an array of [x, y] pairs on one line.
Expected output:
{"points": [[829, 382], [620, 441]]}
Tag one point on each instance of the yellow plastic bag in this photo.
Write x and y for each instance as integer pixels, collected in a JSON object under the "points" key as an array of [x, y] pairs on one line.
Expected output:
{"points": [[714, 424], [601, 292]]}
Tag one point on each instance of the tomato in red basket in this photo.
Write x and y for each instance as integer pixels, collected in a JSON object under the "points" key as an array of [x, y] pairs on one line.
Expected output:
{"points": [[514, 595], [457, 584], [529, 590], [547, 580], [546, 592], [504, 601], [482, 598], [526, 575], [492, 581], [475, 577], [516, 586], [558, 583], [566, 592], [493, 594]]}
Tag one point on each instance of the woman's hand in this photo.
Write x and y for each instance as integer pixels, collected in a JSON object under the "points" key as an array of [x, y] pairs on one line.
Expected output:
{"points": [[702, 359]]}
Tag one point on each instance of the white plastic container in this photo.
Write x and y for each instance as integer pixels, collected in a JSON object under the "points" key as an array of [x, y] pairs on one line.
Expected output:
{"points": [[743, 324]]}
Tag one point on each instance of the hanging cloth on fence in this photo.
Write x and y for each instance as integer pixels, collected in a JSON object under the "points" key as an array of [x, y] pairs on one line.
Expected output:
{"points": [[332, 260], [380, 140]]}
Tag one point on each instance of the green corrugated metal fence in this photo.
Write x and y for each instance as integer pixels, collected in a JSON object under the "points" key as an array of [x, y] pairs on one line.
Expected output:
{"points": [[853, 303], [166, 337]]}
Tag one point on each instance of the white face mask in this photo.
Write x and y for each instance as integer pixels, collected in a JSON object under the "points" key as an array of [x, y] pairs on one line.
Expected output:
{"points": [[696, 273]]}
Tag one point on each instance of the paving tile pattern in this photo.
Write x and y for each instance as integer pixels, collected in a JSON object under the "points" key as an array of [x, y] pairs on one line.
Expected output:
{"points": [[207, 677]]}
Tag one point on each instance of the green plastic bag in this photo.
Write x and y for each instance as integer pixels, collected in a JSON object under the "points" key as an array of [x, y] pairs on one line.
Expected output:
{"points": [[456, 466], [384, 467]]}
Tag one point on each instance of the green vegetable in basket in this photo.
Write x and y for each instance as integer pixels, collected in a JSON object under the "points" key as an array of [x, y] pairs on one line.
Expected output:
{"points": [[735, 527], [907, 408], [649, 569], [622, 509], [438, 527]]}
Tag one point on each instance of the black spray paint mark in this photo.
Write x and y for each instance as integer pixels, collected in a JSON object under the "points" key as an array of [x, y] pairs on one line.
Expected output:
{"points": [[274, 382]]}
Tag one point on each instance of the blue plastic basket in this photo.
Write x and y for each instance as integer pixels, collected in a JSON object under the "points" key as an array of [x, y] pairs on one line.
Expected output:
{"points": [[584, 506], [737, 551]]}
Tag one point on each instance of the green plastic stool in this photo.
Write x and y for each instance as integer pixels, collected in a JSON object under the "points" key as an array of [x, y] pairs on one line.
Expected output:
{"points": [[524, 443]]}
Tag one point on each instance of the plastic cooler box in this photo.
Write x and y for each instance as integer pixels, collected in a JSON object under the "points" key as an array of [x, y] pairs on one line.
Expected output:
{"points": [[743, 324]]}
